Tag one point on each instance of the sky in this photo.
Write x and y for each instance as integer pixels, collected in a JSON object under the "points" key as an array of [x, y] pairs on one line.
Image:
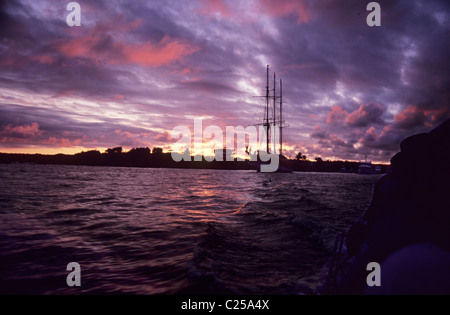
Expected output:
{"points": [[134, 70]]}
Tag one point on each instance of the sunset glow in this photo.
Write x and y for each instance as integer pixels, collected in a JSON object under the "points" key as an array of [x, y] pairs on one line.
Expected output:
{"points": [[134, 71]]}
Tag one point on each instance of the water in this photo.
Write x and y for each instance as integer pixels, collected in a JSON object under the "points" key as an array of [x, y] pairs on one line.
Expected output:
{"points": [[169, 231]]}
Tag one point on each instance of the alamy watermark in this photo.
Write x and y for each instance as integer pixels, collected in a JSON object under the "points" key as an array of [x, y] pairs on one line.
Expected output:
{"points": [[374, 17], [74, 17], [209, 143], [373, 279], [73, 279]]}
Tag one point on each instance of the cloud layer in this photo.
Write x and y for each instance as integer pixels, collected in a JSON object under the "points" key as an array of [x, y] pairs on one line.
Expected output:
{"points": [[134, 71]]}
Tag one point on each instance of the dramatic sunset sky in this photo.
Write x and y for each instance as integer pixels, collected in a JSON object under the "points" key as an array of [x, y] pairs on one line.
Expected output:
{"points": [[136, 69]]}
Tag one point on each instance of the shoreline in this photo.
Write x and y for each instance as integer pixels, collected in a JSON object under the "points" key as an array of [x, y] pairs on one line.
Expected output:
{"points": [[164, 160]]}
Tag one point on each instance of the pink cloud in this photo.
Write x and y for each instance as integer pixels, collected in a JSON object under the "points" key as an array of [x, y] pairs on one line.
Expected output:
{"points": [[370, 136], [337, 141], [186, 70], [281, 8], [337, 114], [145, 54], [388, 139], [167, 51], [78, 47], [164, 137], [410, 117], [24, 131], [211, 7], [318, 132], [62, 142], [129, 139], [44, 59], [366, 115]]}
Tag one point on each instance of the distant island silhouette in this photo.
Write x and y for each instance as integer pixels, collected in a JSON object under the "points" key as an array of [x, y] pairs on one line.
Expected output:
{"points": [[156, 158]]}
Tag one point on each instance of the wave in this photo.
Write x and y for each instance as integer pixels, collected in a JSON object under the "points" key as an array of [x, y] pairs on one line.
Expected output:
{"points": [[218, 232]]}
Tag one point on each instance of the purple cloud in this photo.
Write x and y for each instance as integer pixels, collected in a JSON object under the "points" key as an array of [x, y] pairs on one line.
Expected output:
{"points": [[366, 115], [133, 71]]}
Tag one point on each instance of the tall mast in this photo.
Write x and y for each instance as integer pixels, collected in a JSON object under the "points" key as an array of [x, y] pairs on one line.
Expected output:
{"points": [[274, 98], [274, 109], [281, 117], [267, 111]]}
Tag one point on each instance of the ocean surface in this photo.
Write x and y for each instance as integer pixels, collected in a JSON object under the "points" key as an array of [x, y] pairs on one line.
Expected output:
{"points": [[172, 231]]}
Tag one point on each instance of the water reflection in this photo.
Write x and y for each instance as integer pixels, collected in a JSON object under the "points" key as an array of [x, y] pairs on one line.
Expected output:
{"points": [[165, 230]]}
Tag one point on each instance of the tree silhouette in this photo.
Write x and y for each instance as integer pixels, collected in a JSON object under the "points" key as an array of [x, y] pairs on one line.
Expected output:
{"points": [[300, 156], [318, 160], [138, 157], [116, 150], [157, 151]]}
